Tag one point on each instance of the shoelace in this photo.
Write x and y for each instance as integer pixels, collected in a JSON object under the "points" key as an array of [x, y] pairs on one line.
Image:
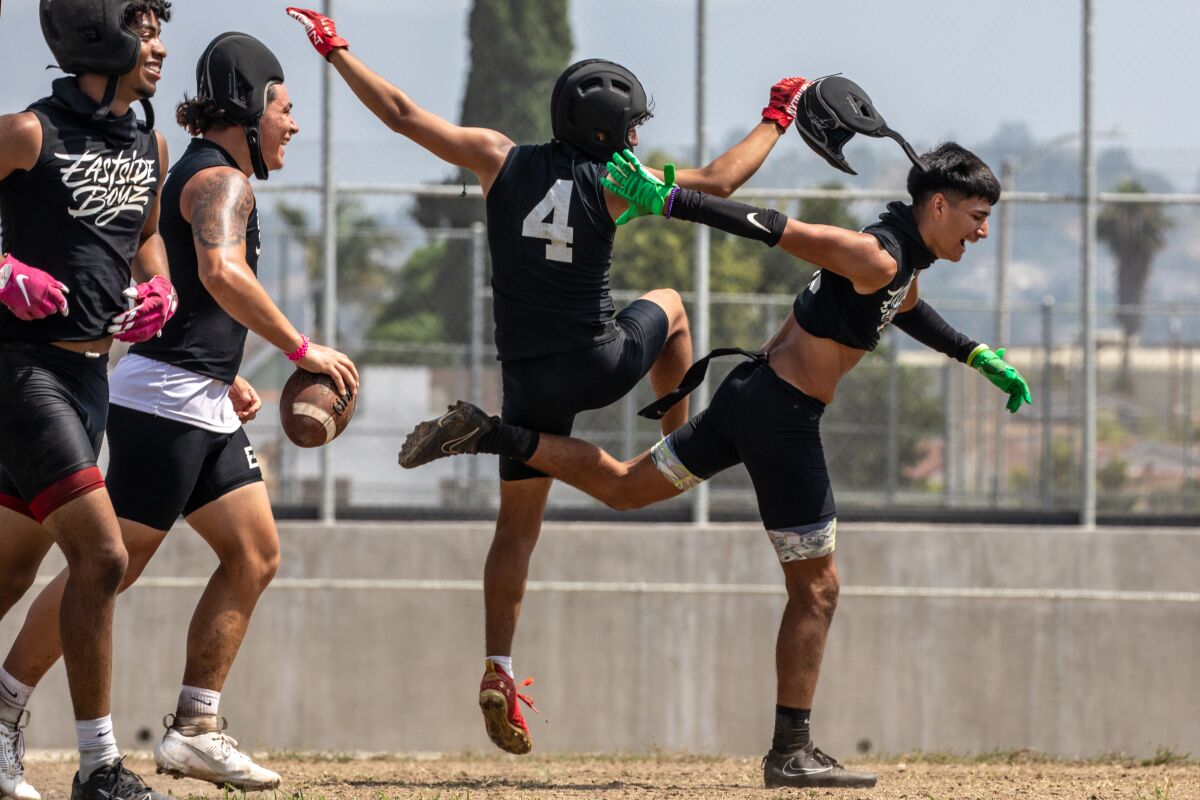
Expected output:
{"points": [[524, 697], [824, 758], [228, 746], [120, 781], [14, 744]]}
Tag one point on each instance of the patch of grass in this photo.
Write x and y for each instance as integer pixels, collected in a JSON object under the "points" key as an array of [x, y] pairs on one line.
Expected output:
{"points": [[1164, 756], [1160, 793], [336, 756], [654, 756]]}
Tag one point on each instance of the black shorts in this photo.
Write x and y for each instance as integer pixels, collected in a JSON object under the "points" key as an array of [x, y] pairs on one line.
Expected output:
{"points": [[545, 394], [53, 405], [160, 468], [761, 420]]}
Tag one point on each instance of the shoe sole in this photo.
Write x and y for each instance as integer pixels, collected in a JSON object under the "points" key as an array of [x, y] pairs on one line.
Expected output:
{"points": [[178, 771], [818, 783], [14, 795], [503, 733], [417, 450], [413, 451]]}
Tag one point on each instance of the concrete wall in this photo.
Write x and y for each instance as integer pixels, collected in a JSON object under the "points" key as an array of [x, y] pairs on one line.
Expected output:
{"points": [[1069, 642]]}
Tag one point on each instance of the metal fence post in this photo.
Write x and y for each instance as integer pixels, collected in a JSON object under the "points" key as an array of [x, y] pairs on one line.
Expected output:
{"points": [[329, 266], [1087, 510], [475, 375], [1046, 400], [951, 458], [701, 322], [1188, 357], [893, 420], [1003, 259]]}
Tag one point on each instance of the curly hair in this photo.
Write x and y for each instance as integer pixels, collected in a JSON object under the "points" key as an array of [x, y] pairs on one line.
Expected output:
{"points": [[160, 8], [199, 115]]}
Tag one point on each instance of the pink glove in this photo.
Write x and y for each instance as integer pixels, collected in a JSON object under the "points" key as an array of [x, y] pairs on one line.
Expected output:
{"points": [[151, 305], [29, 292], [322, 31], [785, 96]]}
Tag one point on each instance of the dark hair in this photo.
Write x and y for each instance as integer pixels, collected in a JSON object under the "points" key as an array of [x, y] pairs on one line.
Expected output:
{"points": [[160, 8], [952, 168], [199, 115]]}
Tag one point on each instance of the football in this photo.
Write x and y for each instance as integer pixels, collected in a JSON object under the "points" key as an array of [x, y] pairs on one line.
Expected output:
{"points": [[311, 411]]}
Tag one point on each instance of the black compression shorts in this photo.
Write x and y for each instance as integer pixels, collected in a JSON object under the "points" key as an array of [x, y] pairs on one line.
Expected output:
{"points": [[761, 420], [160, 468], [545, 394], [52, 410]]}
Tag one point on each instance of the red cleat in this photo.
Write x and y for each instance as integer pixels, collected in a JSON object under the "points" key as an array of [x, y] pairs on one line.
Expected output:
{"points": [[498, 697]]}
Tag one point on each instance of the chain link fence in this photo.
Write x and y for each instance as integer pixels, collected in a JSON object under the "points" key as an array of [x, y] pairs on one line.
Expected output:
{"points": [[911, 432]]}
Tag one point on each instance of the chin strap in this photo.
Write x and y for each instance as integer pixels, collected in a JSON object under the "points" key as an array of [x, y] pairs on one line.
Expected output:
{"points": [[149, 112], [254, 141], [908, 150], [110, 93]]}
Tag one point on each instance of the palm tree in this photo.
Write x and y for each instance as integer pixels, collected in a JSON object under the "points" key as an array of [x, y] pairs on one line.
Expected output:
{"points": [[1135, 233]]}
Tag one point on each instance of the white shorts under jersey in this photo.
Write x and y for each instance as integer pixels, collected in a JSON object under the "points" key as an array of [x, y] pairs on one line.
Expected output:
{"points": [[171, 392]]}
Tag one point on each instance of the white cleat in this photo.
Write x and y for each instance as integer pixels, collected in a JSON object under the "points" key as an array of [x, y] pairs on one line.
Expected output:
{"points": [[206, 753], [12, 771]]}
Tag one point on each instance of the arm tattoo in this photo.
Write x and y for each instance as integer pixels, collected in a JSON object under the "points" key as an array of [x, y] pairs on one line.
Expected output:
{"points": [[221, 207]]}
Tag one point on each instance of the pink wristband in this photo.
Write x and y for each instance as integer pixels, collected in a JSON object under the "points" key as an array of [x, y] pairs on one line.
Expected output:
{"points": [[301, 351]]}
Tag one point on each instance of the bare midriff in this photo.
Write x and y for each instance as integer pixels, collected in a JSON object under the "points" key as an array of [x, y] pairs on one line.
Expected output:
{"points": [[811, 364], [100, 346]]}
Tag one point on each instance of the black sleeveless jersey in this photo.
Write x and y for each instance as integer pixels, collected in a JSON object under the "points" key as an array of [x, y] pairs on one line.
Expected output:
{"points": [[551, 242], [200, 337], [79, 213], [830, 308]]}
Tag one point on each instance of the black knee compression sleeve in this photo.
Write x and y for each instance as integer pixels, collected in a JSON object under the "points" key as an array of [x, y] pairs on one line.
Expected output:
{"points": [[750, 222]]}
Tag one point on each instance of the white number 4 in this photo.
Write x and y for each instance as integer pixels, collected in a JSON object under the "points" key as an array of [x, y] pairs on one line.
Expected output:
{"points": [[556, 205]]}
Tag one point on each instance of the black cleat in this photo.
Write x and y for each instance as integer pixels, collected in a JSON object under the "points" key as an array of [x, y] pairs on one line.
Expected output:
{"points": [[113, 782], [455, 433], [809, 768]]}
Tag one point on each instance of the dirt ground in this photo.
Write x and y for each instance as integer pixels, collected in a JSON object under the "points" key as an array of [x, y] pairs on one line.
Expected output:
{"points": [[487, 777]]}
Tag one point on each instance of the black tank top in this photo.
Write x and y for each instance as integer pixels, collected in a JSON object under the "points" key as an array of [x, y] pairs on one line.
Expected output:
{"points": [[79, 213], [551, 242], [200, 337], [830, 308]]}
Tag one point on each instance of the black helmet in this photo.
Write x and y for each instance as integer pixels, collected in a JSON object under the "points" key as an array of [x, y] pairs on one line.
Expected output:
{"points": [[832, 110], [594, 104], [234, 73], [90, 36]]}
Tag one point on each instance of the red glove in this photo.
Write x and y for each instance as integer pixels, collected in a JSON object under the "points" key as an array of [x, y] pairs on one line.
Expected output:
{"points": [[785, 96], [29, 292], [152, 304], [322, 31]]}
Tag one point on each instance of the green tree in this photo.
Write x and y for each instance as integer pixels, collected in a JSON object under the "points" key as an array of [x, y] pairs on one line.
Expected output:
{"points": [[1135, 233], [518, 50]]}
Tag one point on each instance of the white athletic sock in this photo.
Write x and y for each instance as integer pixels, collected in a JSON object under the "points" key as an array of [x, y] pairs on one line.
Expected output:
{"points": [[197, 702], [97, 745], [504, 662], [14, 696]]}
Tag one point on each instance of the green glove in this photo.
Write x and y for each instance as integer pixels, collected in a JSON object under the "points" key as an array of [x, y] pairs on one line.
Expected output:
{"points": [[628, 179], [994, 368]]}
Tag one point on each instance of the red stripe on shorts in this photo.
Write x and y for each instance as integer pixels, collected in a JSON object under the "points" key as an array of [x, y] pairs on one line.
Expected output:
{"points": [[15, 504], [64, 490]]}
